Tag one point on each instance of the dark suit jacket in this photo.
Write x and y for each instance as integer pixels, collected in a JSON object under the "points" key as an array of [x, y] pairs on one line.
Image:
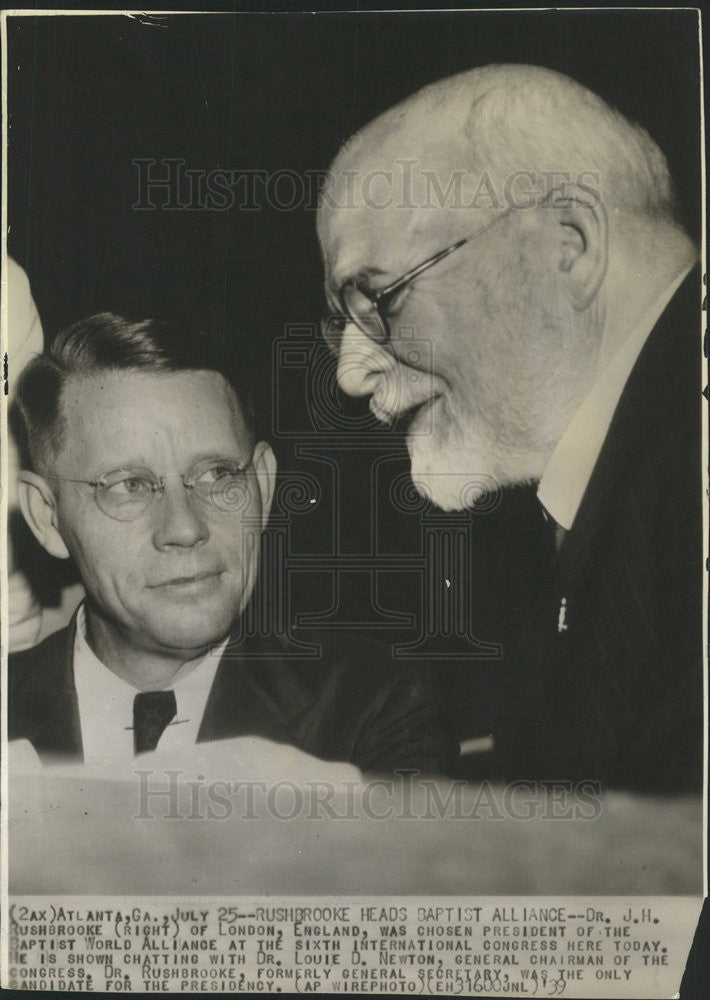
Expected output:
{"points": [[349, 704], [617, 695]]}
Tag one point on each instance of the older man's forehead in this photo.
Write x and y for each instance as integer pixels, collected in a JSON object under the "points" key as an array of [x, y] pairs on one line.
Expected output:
{"points": [[386, 209], [364, 242]]}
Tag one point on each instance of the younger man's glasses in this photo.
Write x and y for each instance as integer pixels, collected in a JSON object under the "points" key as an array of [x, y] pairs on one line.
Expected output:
{"points": [[127, 494]]}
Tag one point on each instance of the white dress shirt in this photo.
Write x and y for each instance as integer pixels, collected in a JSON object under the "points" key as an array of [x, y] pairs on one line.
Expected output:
{"points": [[106, 705], [571, 464]]}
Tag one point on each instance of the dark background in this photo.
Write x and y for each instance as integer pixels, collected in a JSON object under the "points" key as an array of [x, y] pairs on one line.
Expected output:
{"points": [[275, 92], [87, 95]]}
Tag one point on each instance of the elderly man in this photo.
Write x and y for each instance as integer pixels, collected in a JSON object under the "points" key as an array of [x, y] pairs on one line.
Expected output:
{"points": [[527, 232], [149, 473]]}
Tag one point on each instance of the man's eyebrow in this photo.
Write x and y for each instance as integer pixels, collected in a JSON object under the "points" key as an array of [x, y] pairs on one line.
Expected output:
{"points": [[132, 463], [227, 454]]}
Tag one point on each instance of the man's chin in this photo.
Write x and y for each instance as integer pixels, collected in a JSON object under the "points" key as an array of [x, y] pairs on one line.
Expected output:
{"points": [[188, 647], [452, 483], [188, 636], [465, 476], [448, 491]]}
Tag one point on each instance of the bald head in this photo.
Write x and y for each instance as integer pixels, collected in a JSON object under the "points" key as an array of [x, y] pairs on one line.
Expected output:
{"points": [[495, 136]]}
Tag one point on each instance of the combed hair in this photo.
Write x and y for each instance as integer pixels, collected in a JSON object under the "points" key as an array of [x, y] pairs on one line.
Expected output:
{"points": [[107, 342]]}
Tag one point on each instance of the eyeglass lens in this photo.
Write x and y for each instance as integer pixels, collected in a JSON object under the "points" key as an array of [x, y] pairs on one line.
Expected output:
{"points": [[363, 311], [126, 494]]}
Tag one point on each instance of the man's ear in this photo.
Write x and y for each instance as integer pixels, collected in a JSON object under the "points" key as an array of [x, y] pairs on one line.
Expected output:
{"points": [[583, 241], [39, 509], [264, 462]]}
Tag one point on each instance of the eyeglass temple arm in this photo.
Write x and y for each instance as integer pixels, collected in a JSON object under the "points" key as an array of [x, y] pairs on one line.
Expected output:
{"points": [[410, 275], [159, 484], [416, 271], [65, 479]]}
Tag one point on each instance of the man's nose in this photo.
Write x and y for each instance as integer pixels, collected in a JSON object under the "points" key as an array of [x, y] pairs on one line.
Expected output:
{"points": [[178, 520], [361, 362]]}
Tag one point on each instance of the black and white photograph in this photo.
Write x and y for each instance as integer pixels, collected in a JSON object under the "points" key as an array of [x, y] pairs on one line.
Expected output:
{"points": [[354, 475]]}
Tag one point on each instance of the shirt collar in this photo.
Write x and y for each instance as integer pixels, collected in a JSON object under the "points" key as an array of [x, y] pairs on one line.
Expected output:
{"points": [[106, 701], [183, 681], [571, 464]]}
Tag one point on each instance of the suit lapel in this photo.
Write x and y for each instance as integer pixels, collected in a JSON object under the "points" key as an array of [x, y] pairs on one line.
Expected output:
{"points": [[45, 707], [658, 385], [257, 690], [222, 702]]}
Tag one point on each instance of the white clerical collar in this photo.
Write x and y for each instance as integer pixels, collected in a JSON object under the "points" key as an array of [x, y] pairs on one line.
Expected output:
{"points": [[571, 464], [106, 703]]}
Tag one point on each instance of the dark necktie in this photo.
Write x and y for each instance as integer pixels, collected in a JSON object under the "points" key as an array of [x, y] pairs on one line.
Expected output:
{"points": [[560, 535], [152, 711], [557, 532]]}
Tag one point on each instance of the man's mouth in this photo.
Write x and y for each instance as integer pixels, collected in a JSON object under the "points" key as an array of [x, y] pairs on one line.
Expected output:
{"points": [[196, 582], [408, 420]]}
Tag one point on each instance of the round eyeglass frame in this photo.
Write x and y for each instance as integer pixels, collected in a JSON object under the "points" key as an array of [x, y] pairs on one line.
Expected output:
{"points": [[367, 309], [228, 499]]}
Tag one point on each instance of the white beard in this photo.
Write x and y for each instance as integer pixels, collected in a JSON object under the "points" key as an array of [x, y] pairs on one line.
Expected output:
{"points": [[463, 471]]}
